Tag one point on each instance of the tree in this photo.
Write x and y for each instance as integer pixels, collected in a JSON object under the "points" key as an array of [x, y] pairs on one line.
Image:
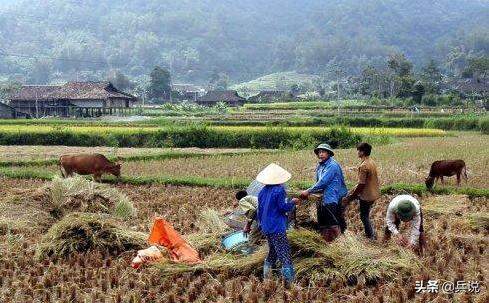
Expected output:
{"points": [[431, 77], [478, 67], [219, 81], [160, 83], [418, 92], [402, 78], [120, 81], [7, 88]]}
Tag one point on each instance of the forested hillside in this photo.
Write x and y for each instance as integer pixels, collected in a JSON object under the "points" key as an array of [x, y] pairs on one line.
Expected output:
{"points": [[57, 40]]}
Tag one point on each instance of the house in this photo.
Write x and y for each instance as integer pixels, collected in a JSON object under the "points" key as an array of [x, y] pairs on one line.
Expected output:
{"points": [[8, 112], [230, 97], [188, 92], [271, 96], [71, 99]]}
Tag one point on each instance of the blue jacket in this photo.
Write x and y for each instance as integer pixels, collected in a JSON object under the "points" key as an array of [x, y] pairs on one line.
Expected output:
{"points": [[329, 181], [272, 209]]}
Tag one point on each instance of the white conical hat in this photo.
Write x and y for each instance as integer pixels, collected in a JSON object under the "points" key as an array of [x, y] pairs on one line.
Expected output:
{"points": [[273, 174]]}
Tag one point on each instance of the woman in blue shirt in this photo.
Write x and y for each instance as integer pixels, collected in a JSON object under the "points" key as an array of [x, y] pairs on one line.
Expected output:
{"points": [[272, 216]]}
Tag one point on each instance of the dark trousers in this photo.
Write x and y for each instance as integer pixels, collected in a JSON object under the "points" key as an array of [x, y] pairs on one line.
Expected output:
{"points": [[278, 249], [331, 220], [365, 207]]}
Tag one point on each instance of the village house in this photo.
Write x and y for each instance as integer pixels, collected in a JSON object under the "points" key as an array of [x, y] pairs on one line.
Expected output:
{"points": [[271, 96], [188, 92], [8, 112], [230, 97], [86, 99]]}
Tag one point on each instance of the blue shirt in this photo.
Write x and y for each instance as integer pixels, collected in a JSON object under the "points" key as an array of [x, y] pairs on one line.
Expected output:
{"points": [[329, 181], [272, 209]]}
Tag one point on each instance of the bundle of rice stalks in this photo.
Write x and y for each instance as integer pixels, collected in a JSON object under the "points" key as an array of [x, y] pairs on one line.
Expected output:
{"points": [[82, 232], [80, 194], [218, 263], [347, 258], [211, 222]]}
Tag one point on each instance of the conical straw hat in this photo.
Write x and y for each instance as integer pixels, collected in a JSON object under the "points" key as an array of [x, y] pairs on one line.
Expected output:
{"points": [[273, 174]]}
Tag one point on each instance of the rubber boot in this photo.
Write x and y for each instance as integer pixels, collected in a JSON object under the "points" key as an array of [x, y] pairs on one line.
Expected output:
{"points": [[267, 270], [288, 275]]}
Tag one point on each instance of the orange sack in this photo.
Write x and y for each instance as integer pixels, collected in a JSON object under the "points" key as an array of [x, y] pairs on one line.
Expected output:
{"points": [[165, 235]]}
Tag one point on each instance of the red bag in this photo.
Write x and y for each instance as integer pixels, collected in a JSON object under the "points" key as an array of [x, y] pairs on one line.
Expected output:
{"points": [[165, 235]]}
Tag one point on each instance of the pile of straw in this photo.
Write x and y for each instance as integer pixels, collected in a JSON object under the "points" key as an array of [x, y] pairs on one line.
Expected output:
{"points": [[347, 258], [82, 195], [82, 232]]}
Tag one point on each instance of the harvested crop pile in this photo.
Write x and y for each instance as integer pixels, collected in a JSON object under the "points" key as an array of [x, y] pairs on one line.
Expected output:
{"points": [[82, 232], [348, 258], [62, 196]]}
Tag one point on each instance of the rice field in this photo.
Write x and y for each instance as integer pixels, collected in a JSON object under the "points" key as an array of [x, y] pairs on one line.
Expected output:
{"points": [[456, 250], [45, 129], [40, 152], [407, 161], [352, 269]]}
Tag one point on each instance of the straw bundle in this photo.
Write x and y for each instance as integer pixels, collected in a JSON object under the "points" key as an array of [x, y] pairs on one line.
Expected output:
{"points": [[82, 232], [80, 194], [346, 258]]}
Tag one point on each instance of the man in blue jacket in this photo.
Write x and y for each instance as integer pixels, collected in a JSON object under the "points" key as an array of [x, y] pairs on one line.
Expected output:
{"points": [[331, 183]]}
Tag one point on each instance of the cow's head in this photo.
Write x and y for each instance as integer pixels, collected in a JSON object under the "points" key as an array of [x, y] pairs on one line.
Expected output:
{"points": [[429, 181], [116, 170]]}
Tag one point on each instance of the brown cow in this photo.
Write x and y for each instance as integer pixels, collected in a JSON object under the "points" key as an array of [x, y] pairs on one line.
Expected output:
{"points": [[88, 164], [446, 168]]}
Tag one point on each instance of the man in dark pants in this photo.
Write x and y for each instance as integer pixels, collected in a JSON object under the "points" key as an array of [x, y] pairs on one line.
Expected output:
{"points": [[331, 183], [367, 189]]}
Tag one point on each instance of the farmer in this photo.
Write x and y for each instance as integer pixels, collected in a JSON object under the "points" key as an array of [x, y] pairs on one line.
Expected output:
{"points": [[272, 216], [249, 205], [367, 189], [405, 208], [331, 183]]}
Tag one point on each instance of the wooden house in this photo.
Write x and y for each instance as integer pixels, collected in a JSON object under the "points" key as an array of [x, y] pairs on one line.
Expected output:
{"points": [[71, 99], [230, 97]]}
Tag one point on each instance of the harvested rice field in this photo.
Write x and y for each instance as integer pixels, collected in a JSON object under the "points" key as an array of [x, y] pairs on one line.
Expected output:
{"points": [[456, 250], [406, 161], [33, 152]]}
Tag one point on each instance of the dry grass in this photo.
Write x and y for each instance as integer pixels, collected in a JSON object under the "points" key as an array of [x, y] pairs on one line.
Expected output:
{"points": [[83, 232], [454, 252], [63, 195]]}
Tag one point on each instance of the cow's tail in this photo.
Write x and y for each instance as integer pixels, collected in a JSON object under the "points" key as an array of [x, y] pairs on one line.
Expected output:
{"points": [[465, 173]]}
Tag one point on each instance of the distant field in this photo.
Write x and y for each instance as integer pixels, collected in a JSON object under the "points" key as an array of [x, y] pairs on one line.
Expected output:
{"points": [[371, 131], [39, 152], [397, 132], [407, 161]]}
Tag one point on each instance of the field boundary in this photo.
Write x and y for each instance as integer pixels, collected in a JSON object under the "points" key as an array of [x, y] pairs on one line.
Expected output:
{"points": [[231, 183]]}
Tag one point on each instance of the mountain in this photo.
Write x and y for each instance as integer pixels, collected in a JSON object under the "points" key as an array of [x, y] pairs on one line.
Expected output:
{"points": [[57, 40]]}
